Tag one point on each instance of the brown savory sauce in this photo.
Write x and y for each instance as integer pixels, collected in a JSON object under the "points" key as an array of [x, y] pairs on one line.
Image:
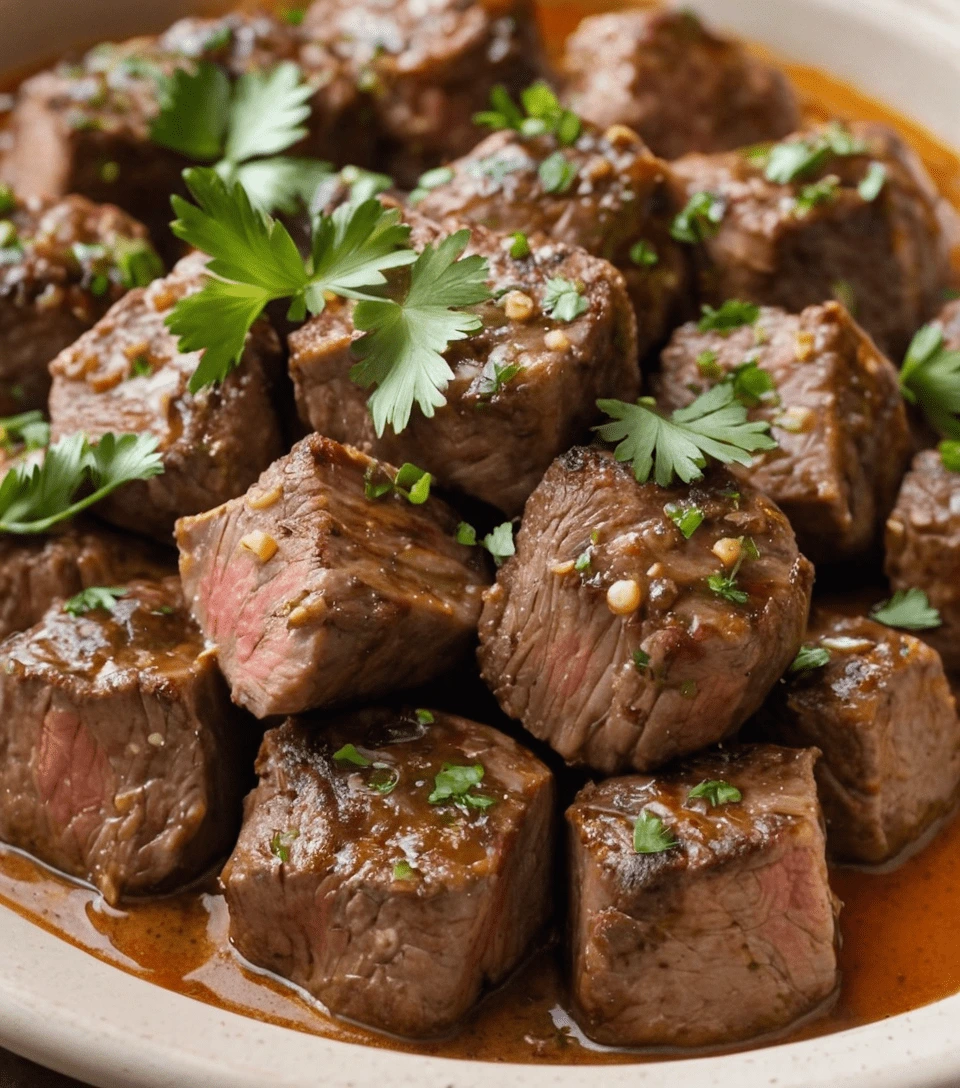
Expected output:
{"points": [[901, 946]]}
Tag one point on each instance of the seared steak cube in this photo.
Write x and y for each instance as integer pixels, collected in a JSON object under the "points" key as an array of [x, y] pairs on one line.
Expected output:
{"points": [[126, 375], [119, 749], [606, 194], [836, 412], [881, 712], [923, 546], [37, 570], [62, 265], [524, 388], [424, 70], [701, 911], [372, 873], [313, 591], [679, 85], [623, 641], [865, 228]]}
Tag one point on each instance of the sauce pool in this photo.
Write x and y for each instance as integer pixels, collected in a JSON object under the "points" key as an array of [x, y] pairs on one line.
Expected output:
{"points": [[901, 946]]}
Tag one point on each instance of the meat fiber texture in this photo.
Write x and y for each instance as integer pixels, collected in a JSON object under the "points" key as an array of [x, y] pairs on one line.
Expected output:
{"points": [[882, 713], [887, 257], [843, 439], [393, 910], [313, 593], [678, 84], [524, 388], [121, 754], [613, 196], [126, 375], [602, 634], [729, 934]]}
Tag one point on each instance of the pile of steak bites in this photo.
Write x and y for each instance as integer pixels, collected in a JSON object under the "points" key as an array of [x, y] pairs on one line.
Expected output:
{"points": [[649, 659]]}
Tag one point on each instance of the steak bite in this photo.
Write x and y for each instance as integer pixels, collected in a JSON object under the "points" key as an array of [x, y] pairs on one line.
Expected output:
{"points": [[126, 375], [424, 70], [374, 874], [679, 85], [35, 571], [606, 194], [524, 388], [836, 411], [923, 546], [119, 749], [696, 923], [623, 642], [882, 713], [62, 265], [871, 235], [314, 593]]}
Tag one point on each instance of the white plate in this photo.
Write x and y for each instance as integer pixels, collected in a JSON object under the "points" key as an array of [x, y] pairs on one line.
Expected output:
{"points": [[68, 1010]]}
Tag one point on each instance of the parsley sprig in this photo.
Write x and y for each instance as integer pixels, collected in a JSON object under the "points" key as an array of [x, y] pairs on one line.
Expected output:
{"points": [[454, 783], [94, 597], [930, 378], [34, 498], [714, 425], [716, 792], [28, 430], [809, 658], [650, 835], [242, 128], [908, 609], [793, 159], [408, 324], [539, 114]]}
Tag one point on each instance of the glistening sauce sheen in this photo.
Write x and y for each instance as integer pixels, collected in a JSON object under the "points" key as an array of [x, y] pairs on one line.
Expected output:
{"points": [[901, 946]]}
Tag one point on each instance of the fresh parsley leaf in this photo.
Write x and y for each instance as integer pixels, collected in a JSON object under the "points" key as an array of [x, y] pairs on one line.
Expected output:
{"points": [[137, 262], [950, 455], [909, 609], [733, 314], [364, 184], [583, 560], [686, 516], [641, 660], [688, 689], [708, 366], [519, 245], [930, 378], [281, 842], [454, 783], [716, 792], [349, 754], [466, 534], [557, 173], [494, 377], [500, 543], [752, 385], [432, 179], [814, 194], [413, 484], [725, 586], [700, 219], [267, 113], [793, 159], [384, 778], [643, 254], [8, 199], [94, 597], [28, 429], [562, 300], [194, 112], [650, 836], [714, 425], [403, 870], [424, 717], [282, 184], [541, 115], [293, 16], [401, 351], [34, 498], [873, 181], [809, 658]]}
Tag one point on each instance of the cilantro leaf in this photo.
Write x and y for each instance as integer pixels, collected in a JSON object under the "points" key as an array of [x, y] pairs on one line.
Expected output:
{"points": [[733, 314], [714, 425], [500, 542], [194, 112], [809, 658], [267, 112], [94, 597], [28, 429], [930, 378], [909, 609], [34, 498], [716, 792], [401, 351], [454, 783], [650, 836]]}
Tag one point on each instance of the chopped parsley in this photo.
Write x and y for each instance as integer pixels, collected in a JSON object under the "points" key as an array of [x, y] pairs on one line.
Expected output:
{"points": [[908, 609], [410, 482], [584, 559], [8, 199], [281, 842], [726, 585], [562, 300], [94, 598], [930, 378], [495, 377], [643, 254], [686, 516], [815, 194], [424, 717], [716, 792], [641, 660], [403, 870], [432, 179], [293, 16], [539, 114], [733, 314], [700, 219], [140, 368], [349, 754], [519, 245], [809, 658], [950, 455], [844, 293], [793, 159], [708, 366], [499, 543], [28, 429], [466, 534], [650, 836], [752, 384], [873, 181], [714, 425], [455, 784], [557, 173], [137, 262]]}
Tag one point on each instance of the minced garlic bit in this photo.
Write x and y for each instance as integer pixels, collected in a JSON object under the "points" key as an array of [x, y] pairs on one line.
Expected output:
{"points": [[727, 550], [806, 342], [564, 568], [796, 420], [621, 136], [557, 340], [518, 306], [263, 546], [598, 168], [156, 739], [264, 499], [623, 597]]}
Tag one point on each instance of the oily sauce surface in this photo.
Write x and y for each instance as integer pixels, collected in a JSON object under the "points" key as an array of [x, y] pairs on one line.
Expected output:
{"points": [[901, 944]]}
